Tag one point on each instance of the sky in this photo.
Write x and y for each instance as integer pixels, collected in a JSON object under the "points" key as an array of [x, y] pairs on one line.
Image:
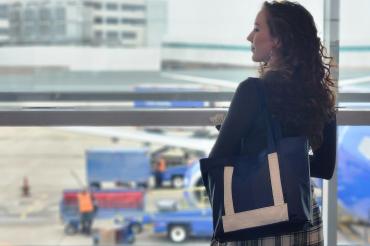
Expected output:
{"points": [[229, 21]]}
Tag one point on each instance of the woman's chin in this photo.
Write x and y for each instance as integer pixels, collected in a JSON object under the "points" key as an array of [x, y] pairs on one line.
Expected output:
{"points": [[255, 59]]}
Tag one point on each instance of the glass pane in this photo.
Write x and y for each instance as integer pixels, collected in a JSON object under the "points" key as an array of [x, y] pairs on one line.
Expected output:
{"points": [[146, 178], [111, 46], [353, 180], [354, 47]]}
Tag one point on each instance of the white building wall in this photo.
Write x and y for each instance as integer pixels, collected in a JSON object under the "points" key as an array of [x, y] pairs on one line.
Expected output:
{"points": [[82, 58], [156, 22]]}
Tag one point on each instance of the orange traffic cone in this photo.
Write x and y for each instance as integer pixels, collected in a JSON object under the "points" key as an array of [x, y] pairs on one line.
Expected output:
{"points": [[25, 187]]}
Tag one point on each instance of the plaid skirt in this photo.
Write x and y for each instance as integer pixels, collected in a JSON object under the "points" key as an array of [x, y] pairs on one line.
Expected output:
{"points": [[310, 237]]}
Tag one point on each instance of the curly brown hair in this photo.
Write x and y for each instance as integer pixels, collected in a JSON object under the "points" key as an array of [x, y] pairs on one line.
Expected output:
{"points": [[300, 90]]}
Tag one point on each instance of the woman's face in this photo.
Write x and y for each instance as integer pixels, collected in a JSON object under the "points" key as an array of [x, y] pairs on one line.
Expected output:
{"points": [[260, 38]]}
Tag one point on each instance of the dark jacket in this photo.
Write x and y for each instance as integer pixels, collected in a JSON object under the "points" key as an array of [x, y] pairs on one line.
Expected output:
{"points": [[244, 132]]}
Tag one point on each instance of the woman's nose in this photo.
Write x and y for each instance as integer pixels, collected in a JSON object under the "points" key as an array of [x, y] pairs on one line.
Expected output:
{"points": [[249, 37]]}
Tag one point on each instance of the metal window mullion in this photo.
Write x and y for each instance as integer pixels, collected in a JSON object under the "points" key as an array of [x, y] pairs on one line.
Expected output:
{"points": [[53, 97], [140, 117], [331, 42]]}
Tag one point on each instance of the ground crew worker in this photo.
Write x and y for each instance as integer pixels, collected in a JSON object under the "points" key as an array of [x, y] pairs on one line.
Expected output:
{"points": [[86, 207], [160, 167]]}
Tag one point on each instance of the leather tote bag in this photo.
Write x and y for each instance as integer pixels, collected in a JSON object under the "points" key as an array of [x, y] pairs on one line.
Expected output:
{"points": [[263, 195]]}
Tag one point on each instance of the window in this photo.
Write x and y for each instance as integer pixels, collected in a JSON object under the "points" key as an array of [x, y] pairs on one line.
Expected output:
{"points": [[133, 7], [4, 31], [45, 14], [98, 20], [112, 35], [98, 6], [3, 11], [98, 35], [14, 16], [129, 35], [133, 21], [112, 6], [29, 15], [60, 13], [112, 20], [91, 83]]}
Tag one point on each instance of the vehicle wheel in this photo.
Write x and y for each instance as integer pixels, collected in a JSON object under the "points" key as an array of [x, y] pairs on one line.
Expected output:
{"points": [[136, 228], [131, 239], [177, 182], [70, 229], [178, 233]]}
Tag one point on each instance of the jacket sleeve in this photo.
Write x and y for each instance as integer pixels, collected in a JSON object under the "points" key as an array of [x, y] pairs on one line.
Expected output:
{"points": [[322, 163], [238, 120]]}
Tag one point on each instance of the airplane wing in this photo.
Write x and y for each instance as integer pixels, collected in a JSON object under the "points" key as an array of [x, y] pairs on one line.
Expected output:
{"points": [[203, 145], [201, 80]]}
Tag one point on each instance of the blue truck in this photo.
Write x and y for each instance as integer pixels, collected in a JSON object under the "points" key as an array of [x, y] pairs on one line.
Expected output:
{"points": [[183, 224], [174, 176], [122, 166], [195, 221]]}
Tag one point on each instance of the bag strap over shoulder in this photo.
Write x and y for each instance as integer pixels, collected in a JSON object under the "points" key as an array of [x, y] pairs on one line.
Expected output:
{"points": [[273, 127]]}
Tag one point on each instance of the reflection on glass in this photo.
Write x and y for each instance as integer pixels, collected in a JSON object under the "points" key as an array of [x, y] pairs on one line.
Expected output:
{"points": [[353, 180]]}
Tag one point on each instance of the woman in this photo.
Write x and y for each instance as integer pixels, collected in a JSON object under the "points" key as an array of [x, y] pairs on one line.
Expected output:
{"points": [[298, 86]]}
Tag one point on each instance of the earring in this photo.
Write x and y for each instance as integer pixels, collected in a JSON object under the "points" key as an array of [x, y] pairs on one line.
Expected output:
{"points": [[271, 54]]}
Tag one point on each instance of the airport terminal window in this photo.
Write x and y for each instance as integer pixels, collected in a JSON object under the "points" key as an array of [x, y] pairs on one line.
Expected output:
{"points": [[3, 11], [112, 35], [4, 31], [132, 7], [60, 13], [45, 14], [14, 17], [112, 6], [133, 21], [170, 50], [98, 34], [129, 35], [98, 6], [355, 68], [112, 20], [29, 15], [98, 20]]}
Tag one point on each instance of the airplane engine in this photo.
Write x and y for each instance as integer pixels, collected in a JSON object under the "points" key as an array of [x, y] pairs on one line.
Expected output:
{"points": [[194, 191]]}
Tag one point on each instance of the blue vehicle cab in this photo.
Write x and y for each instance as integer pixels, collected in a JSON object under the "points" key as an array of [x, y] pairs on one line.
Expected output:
{"points": [[174, 176], [195, 220], [180, 225]]}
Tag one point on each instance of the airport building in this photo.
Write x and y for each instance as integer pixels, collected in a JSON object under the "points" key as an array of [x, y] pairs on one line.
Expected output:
{"points": [[98, 22], [4, 21]]}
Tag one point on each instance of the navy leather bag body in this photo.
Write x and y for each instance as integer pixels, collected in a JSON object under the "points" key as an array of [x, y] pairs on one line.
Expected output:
{"points": [[264, 195]]}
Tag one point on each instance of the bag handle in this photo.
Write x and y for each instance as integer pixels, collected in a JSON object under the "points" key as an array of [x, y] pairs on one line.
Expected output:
{"points": [[277, 190], [273, 162]]}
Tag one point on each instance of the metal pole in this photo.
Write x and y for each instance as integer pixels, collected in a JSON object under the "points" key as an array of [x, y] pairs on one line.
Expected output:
{"points": [[331, 42]]}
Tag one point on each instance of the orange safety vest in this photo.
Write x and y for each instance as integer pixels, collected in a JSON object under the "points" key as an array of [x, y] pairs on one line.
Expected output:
{"points": [[162, 165], [85, 202]]}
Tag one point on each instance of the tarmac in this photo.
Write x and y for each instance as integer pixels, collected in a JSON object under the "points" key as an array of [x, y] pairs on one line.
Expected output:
{"points": [[46, 156]]}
